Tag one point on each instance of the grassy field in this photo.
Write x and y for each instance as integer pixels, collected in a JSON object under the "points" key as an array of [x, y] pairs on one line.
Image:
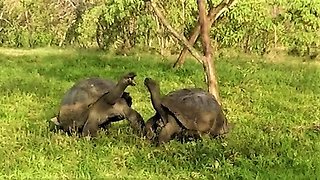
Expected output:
{"points": [[275, 107]]}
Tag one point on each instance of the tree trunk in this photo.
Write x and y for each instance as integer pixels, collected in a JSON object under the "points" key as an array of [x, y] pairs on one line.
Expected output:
{"points": [[211, 76], [206, 44], [213, 15]]}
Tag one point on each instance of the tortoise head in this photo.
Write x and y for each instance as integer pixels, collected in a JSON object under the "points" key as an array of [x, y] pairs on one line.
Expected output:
{"points": [[128, 79], [150, 83]]}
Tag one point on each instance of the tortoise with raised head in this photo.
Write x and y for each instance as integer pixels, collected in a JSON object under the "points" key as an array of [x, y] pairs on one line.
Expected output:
{"points": [[192, 111], [95, 102]]}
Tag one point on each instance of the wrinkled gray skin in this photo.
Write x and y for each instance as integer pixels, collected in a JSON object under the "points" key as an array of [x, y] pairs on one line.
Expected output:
{"points": [[94, 102], [185, 112]]}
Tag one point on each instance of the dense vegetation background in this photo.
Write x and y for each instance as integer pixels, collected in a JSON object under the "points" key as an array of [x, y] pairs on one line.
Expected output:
{"points": [[251, 25]]}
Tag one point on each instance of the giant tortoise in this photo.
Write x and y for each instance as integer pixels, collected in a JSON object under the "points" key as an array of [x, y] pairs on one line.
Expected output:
{"points": [[95, 102], [186, 111]]}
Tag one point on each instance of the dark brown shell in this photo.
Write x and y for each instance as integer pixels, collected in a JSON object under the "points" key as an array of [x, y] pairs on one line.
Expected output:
{"points": [[89, 90], [86, 91], [193, 107], [77, 99]]}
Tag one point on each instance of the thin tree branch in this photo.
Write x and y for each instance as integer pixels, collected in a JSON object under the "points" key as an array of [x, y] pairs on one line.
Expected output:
{"points": [[213, 15], [180, 37]]}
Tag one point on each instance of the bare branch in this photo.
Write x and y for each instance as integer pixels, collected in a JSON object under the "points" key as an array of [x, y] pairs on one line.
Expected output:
{"points": [[181, 38], [221, 8], [213, 15]]}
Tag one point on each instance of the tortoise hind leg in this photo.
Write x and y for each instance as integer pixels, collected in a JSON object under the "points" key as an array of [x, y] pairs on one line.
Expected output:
{"points": [[54, 125], [90, 128]]}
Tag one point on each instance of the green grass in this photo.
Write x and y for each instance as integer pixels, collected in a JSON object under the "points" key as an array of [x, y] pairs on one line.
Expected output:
{"points": [[275, 108]]}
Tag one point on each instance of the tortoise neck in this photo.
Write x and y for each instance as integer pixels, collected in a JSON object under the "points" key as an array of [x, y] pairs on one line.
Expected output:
{"points": [[155, 98], [115, 93]]}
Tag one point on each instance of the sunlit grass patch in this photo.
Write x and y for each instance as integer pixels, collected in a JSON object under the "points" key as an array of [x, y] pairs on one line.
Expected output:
{"points": [[274, 106]]}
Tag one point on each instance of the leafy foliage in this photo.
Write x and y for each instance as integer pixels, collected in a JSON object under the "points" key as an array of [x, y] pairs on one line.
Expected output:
{"points": [[261, 25], [247, 26], [304, 26], [252, 25]]}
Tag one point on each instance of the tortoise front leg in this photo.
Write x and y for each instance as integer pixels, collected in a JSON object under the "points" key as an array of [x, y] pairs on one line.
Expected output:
{"points": [[152, 126], [220, 125], [168, 130], [136, 120]]}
